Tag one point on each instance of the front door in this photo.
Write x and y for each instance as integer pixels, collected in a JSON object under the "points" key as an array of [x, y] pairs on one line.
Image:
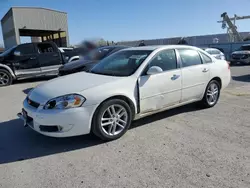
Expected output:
{"points": [[25, 61], [163, 89], [49, 58], [195, 75]]}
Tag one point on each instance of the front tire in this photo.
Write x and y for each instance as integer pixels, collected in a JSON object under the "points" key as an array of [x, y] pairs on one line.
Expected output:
{"points": [[112, 119], [5, 78], [211, 95]]}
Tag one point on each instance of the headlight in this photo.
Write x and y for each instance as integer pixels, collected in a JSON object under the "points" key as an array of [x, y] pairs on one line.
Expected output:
{"points": [[65, 102]]}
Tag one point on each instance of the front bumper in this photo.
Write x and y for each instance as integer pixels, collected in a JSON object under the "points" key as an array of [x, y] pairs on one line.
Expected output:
{"points": [[58, 123], [240, 60]]}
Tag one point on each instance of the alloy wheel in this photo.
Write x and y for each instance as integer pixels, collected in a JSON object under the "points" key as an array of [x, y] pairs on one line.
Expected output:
{"points": [[212, 94], [4, 79], [114, 120]]}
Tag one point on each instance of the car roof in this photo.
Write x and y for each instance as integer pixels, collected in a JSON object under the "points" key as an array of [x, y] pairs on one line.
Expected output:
{"points": [[211, 49], [161, 47]]}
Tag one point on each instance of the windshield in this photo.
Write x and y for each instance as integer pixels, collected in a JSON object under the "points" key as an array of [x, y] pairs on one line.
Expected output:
{"points": [[7, 51], [122, 63], [245, 47], [98, 54]]}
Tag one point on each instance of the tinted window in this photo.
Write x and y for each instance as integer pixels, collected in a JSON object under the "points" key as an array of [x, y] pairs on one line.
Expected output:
{"points": [[45, 48], [25, 49], [165, 59], [205, 58], [122, 63], [189, 57]]}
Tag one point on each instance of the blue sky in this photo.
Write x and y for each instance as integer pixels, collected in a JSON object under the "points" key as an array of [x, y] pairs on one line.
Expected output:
{"points": [[139, 19]]}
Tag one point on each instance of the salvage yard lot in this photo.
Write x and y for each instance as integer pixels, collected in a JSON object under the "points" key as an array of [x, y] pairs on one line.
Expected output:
{"points": [[183, 147]]}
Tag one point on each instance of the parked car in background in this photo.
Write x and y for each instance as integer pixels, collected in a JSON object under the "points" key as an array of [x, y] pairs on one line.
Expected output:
{"points": [[29, 60], [69, 54], [241, 56], [127, 85], [215, 53], [88, 61]]}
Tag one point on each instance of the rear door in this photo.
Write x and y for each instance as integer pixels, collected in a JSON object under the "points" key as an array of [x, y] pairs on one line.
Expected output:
{"points": [[49, 58], [25, 61], [195, 74]]}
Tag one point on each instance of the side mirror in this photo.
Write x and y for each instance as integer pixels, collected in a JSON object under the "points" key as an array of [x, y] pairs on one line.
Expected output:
{"points": [[17, 53], [154, 70]]}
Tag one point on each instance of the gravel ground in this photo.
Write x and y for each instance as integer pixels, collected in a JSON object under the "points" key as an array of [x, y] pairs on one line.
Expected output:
{"points": [[183, 147]]}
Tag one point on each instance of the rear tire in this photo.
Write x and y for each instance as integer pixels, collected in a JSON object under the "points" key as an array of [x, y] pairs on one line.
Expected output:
{"points": [[5, 78], [211, 95], [112, 119]]}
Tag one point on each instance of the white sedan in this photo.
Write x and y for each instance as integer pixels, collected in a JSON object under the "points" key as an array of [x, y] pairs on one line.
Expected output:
{"points": [[215, 53], [130, 84]]}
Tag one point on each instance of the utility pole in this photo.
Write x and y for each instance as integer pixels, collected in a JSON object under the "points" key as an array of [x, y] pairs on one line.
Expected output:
{"points": [[234, 36]]}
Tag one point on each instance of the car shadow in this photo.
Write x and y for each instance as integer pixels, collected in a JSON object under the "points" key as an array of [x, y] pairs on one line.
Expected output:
{"points": [[166, 114], [18, 143], [242, 78]]}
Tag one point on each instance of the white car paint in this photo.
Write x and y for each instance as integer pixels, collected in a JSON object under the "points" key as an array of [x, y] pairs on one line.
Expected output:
{"points": [[215, 53], [156, 92]]}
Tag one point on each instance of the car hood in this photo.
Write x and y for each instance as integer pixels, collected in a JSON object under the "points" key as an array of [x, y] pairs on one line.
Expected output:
{"points": [[75, 64], [241, 52], [73, 83]]}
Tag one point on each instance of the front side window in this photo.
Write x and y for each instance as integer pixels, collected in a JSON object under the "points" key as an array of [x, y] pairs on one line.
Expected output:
{"points": [[122, 63], [189, 57], [25, 49], [165, 59]]}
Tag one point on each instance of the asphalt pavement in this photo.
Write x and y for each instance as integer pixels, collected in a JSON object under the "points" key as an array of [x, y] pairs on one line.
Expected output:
{"points": [[184, 147]]}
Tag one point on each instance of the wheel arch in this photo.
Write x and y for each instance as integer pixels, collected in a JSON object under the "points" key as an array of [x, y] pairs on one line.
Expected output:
{"points": [[7, 68], [218, 79], [121, 97], [124, 98]]}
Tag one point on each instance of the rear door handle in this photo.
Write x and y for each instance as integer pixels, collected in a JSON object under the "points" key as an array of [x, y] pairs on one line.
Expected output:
{"points": [[55, 55], [174, 77], [32, 57], [205, 70]]}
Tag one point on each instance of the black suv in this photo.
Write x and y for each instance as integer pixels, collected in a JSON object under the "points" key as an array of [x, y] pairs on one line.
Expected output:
{"points": [[29, 60]]}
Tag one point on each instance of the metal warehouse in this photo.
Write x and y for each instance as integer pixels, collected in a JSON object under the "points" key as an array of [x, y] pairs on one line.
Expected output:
{"points": [[202, 40], [40, 24]]}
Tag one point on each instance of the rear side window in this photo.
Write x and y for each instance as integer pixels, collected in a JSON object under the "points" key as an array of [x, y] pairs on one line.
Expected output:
{"points": [[45, 48], [206, 59], [26, 49], [189, 57]]}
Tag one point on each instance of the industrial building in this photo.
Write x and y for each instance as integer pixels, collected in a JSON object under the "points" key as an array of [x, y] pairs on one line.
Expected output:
{"points": [[202, 40], [40, 24]]}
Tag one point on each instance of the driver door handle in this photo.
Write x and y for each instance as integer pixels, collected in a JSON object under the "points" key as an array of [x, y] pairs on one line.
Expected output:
{"points": [[174, 77], [32, 57], [205, 70]]}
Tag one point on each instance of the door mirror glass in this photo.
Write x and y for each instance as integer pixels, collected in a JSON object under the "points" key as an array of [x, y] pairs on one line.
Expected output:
{"points": [[17, 53], [154, 70]]}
